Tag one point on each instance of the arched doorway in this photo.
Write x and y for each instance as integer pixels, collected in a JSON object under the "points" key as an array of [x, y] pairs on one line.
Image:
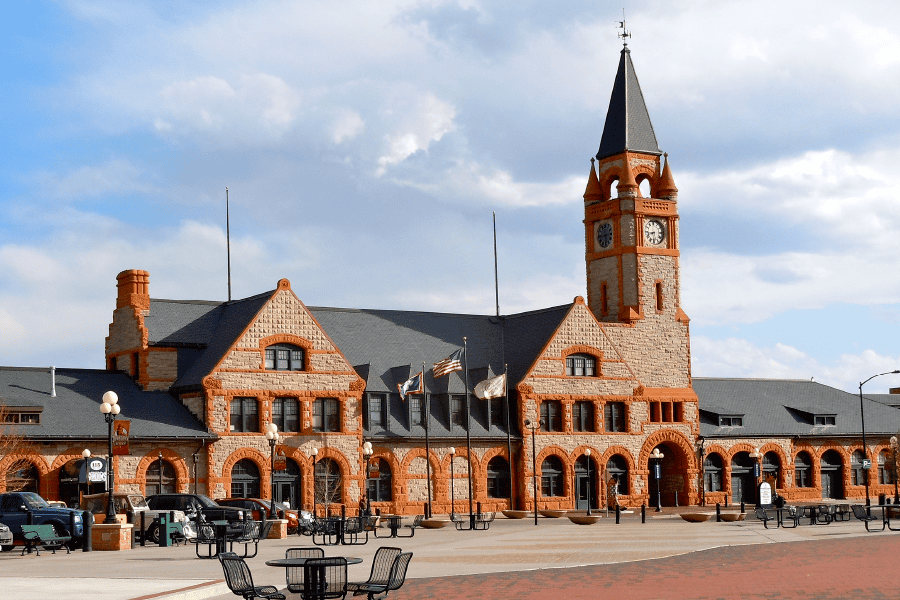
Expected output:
{"points": [[245, 479], [585, 483], [831, 468], [157, 482], [616, 479], [22, 476], [379, 481], [498, 478], [743, 479], [673, 483], [287, 484]]}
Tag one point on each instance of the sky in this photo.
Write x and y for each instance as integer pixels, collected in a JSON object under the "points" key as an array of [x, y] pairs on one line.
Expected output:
{"points": [[366, 145]]}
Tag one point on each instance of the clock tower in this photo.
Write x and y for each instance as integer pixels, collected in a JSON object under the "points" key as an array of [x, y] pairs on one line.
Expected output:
{"points": [[631, 240]]}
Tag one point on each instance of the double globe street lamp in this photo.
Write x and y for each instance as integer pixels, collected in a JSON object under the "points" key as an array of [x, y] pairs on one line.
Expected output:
{"points": [[656, 456], [110, 408], [274, 438], [534, 428]]}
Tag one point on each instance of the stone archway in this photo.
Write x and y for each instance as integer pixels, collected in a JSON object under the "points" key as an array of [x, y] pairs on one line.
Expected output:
{"points": [[676, 466]]}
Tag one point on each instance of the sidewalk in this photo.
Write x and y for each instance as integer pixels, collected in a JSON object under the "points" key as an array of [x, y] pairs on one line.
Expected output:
{"points": [[509, 546]]}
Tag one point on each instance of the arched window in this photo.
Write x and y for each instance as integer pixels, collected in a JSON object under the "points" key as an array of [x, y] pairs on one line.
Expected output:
{"points": [[288, 484], [803, 470], [712, 472], [580, 365], [617, 470], [857, 473], [552, 477], [498, 478], [771, 467], [22, 476], [155, 485], [328, 482], [244, 479], [379, 481], [885, 468], [284, 357]]}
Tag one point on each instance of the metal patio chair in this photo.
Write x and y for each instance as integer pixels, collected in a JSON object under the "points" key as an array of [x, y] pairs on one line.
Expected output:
{"points": [[240, 581]]}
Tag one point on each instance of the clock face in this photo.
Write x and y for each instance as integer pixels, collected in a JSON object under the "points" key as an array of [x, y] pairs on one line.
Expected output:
{"points": [[604, 234], [654, 231]]}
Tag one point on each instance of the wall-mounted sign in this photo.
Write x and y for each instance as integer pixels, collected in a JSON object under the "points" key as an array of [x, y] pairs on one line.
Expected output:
{"points": [[95, 470], [280, 459], [120, 438]]}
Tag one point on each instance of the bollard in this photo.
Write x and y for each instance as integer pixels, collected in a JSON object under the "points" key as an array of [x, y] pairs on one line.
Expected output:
{"points": [[742, 507], [29, 517], [426, 511], [643, 513], [718, 513], [617, 514], [676, 497], [143, 528], [726, 501], [478, 507], [130, 518], [88, 519]]}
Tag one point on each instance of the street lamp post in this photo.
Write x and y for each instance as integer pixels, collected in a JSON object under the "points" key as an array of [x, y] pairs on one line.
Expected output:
{"points": [[272, 436], [701, 445], [314, 452], [452, 452], [587, 453], [110, 408], [86, 454], [367, 454], [657, 457], [862, 417], [894, 447], [534, 428]]}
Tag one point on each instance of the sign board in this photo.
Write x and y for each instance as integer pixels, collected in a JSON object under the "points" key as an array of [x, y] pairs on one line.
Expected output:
{"points": [[120, 438], [867, 464], [657, 471], [280, 459], [765, 494], [756, 469], [95, 470]]}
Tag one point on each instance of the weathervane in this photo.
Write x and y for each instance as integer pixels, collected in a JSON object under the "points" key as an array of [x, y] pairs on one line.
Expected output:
{"points": [[625, 34]]}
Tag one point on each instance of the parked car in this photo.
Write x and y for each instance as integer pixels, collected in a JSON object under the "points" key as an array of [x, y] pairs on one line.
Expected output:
{"points": [[196, 507], [6, 537], [257, 506], [135, 504], [15, 507]]}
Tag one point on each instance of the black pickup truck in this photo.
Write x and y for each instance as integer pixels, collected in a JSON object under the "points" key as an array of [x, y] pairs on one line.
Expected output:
{"points": [[15, 507], [195, 505]]}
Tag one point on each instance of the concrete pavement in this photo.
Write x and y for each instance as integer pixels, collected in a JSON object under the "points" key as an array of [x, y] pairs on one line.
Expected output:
{"points": [[439, 557]]}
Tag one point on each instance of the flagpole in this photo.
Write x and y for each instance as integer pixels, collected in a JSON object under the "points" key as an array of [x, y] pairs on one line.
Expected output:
{"points": [[508, 438], [469, 435], [427, 445], [496, 281], [228, 242]]}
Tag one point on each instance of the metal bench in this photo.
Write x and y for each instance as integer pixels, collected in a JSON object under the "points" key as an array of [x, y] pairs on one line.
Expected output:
{"points": [[240, 581], [44, 536], [483, 520], [394, 581], [860, 512], [380, 576]]}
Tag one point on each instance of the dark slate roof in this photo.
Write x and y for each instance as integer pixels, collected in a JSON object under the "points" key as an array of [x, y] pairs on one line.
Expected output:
{"points": [[781, 407], [75, 411], [888, 399], [233, 318], [628, 125], [182, 322]]}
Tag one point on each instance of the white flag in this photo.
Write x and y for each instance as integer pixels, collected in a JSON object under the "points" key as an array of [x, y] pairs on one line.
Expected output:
{"points": [[491, 388]]}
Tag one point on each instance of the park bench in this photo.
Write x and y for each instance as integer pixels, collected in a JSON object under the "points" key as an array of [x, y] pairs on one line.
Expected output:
{"points": [[483, 520], [43, 536], [463, 522]]}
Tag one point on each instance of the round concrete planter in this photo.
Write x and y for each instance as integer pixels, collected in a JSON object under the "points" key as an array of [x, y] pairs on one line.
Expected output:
{"points": [[696, 517], [434, 523], [731, 517], [515, 514], [584, 519], [553, 514]]}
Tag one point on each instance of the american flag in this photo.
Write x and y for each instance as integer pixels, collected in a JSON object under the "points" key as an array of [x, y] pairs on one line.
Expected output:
{"points": [[413, 385], [449, 364]]}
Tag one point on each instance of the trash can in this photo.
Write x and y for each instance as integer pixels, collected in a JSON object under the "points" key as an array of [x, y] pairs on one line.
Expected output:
{"points": [[165, 529]]}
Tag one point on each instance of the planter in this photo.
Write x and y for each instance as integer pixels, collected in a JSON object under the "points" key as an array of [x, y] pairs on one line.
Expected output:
{"points": [[731, 517], [434, 523], [584, 519], [515, 514], [696, 517], [553, 514]]}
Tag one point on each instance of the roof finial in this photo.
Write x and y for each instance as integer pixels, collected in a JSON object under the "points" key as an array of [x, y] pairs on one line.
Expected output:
{"points": [[625, 34]]}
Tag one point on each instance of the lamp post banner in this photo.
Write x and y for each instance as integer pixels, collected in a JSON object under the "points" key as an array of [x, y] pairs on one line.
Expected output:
{"points": [[121, 430], [280, 459]]}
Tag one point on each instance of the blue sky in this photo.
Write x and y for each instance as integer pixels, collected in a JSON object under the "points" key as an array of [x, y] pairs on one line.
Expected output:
{"points": [[366, 145]]}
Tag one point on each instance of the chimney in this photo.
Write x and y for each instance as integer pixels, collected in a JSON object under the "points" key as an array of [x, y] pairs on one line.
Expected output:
{"points": [[53, 382], [134, 289]]}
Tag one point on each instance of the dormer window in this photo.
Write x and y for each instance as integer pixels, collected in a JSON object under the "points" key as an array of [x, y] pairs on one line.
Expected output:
{"points": [[284, 357], [580, 365], [731, 421], [824, 420]]}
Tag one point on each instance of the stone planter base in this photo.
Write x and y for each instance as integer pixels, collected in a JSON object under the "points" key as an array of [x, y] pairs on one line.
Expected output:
{"points": [[584, 519], [116, 536], [279, 529], [696, 517], [731, 517], [553, 514], [434, 523], [515, 514]]}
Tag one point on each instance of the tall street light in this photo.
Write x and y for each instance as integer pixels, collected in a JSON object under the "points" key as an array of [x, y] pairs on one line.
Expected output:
{"points": [[590, 483], [452, 452], [86, 454], [894, 447], [272, 436], [367, 454], [534, 428], [314, 453], [656, 456], [110, 408], [867, 463]]}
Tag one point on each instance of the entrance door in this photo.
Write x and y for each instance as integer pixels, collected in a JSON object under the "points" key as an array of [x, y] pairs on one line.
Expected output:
{"points": [[830, 487], [585, 475]]}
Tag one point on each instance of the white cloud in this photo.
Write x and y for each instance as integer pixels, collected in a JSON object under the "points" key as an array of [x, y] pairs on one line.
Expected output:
{"points": [[93, 181], [425, 122]]}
